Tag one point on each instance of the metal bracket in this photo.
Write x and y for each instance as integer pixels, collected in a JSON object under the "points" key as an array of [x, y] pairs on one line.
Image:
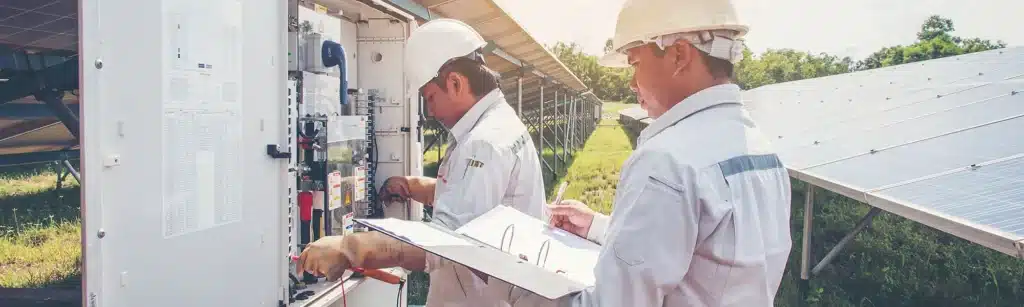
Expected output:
{"points": [[275, 152], [864, 223]]}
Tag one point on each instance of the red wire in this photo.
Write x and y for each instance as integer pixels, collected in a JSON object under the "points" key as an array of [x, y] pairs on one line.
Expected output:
{"points": [[344, 301]]}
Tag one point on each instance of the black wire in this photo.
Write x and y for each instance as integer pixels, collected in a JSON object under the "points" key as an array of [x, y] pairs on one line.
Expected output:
{"points": [[400, 285]]}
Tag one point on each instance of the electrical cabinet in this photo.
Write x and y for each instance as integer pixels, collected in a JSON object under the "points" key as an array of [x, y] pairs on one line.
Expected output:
{"points": [[197, 196]]}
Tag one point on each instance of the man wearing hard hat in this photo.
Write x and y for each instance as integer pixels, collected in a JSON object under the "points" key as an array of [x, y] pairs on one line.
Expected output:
{"points": [[701, 212], [491, 161]]}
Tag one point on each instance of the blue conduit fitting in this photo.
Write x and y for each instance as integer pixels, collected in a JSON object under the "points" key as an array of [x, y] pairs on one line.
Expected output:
{"points": [[333, 54]]}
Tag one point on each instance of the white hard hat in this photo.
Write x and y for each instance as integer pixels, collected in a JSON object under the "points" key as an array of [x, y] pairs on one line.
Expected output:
{"points": [[433, 44], [702, 21]]}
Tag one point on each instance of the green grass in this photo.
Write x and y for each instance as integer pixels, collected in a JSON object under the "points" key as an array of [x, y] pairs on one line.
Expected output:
{"points": [[39, 228], [594, 173]]}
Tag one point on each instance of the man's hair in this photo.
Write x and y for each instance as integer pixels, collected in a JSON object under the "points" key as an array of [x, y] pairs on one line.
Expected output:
{"points": [[482, 80], [718, 68]]}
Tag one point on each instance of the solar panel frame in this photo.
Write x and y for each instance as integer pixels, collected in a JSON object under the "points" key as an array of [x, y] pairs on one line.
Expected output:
{"points": [[39, 24], [927, 140]]}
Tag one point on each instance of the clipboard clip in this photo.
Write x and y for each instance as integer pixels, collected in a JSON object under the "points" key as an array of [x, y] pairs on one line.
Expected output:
{"points": [[545, 248], [510, 232]]}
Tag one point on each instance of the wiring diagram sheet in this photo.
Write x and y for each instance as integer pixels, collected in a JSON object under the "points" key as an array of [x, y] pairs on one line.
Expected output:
{"points": [[202, 115]]}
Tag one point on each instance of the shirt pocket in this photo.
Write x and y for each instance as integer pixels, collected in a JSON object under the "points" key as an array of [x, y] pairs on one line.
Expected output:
{"points": [[631, 243]]}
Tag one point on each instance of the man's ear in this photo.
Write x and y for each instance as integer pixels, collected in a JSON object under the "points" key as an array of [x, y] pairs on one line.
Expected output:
{"points": [[460, 84], [683, 57]]}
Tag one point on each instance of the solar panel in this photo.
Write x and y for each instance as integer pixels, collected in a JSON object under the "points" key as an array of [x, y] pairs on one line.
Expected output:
{"points": [[940, 138], [39, 24], [990, 195]]}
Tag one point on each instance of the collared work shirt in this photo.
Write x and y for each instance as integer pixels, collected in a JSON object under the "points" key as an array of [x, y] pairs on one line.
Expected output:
{"points": [[490, 161], [701, 214]]}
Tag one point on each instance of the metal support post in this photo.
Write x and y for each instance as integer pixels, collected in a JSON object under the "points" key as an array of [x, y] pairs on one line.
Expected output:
{"points": [[565, 132], [54, 99], [74, 173], [519, 96], [864, 223], [554, 132], [540, 131], [805, 252]]}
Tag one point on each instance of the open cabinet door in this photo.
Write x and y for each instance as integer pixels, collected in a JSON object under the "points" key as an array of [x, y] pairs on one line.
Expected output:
{"points": [[182, 205]]}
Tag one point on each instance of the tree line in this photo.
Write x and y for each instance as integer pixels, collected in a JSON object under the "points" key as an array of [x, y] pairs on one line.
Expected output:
{"points": [[934, 40]]}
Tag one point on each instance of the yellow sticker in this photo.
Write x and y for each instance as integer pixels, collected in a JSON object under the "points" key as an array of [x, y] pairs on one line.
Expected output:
{"points": [[320, 8]]}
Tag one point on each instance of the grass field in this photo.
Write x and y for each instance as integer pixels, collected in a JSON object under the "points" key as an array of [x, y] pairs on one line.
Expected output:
{"points": [[39, 228]]}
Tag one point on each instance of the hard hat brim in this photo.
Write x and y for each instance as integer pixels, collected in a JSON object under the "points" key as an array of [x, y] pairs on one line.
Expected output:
{"points": [[614, 60]]}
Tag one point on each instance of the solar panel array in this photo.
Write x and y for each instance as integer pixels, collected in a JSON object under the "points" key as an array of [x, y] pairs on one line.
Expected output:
{"points": [[35, 35], [39, 24], [940, 142]]}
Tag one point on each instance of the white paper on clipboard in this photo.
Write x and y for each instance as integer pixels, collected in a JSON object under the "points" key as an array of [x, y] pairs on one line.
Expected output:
{"points": [[553, 249], [479, 256]]}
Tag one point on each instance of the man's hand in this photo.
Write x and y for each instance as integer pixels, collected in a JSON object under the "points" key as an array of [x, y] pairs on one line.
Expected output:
{"points": [[572, 216], [329, 256], [401, 188]]}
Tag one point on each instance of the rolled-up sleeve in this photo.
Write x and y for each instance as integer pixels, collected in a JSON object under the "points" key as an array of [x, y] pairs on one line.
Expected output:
{"points": [[649, 243]]}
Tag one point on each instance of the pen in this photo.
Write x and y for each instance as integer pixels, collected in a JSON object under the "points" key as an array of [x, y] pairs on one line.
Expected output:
{"points": [[558, 199]]}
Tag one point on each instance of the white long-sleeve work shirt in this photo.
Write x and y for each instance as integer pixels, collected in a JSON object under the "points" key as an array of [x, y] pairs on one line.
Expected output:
{"points": [[701, 213], [700, 217], [490, 161]]}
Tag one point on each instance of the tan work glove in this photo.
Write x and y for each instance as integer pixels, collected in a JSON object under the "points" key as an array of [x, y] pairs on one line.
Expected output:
{"points": [[329, 257]]}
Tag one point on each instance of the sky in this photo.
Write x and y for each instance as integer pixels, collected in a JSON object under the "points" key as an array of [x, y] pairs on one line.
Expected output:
{"points": [[843, 28]]}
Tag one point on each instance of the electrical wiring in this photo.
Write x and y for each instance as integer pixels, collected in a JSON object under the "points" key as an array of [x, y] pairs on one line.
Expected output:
{"points": [[400, 285], [344, 294]]}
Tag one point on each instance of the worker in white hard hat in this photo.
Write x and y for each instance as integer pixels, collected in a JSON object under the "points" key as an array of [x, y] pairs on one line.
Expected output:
{"points": [[490, 161], [701, 211]]}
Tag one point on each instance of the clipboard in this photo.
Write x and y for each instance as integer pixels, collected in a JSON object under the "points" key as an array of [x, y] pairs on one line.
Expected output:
{"points": [[485, 258]]}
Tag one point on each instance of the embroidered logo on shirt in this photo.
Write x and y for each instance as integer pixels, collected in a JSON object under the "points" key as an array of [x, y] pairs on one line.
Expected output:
{"points": [[471, 163]]}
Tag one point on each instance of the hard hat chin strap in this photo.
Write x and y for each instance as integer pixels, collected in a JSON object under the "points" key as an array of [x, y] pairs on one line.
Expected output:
{"points": [[719, 44]]}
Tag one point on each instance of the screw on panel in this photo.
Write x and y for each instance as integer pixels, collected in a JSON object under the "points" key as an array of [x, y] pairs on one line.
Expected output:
{"points": [[816, 142], [1013, 93], [100, 234], [873, 151], [981, 74], [98, 64], [975, 167], [938, 96]]}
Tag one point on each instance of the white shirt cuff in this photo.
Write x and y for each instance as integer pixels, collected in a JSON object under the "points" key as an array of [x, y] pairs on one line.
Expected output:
{"points": [[598, 228], [433, 262]]}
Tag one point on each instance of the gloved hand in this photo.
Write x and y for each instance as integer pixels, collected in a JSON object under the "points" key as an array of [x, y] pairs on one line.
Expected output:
{"points": [[572, 216], [401, 188], [329, 256]]}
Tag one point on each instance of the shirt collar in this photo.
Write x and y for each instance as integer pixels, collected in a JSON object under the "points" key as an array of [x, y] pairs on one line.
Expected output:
{"points": [[699, 101], [469, 120]]}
